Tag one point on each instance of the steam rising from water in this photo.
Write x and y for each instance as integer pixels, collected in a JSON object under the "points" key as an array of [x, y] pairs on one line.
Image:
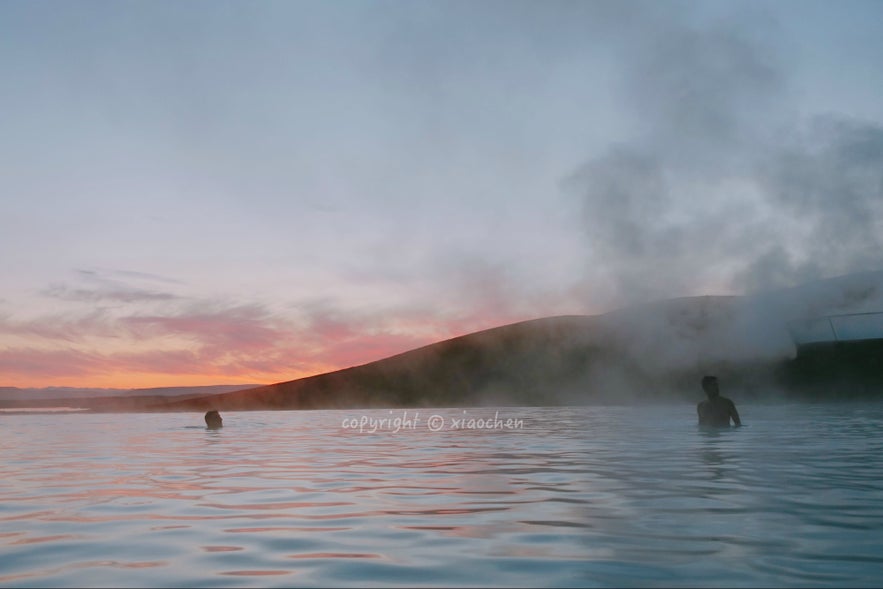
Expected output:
{"points": [[721, 189]]}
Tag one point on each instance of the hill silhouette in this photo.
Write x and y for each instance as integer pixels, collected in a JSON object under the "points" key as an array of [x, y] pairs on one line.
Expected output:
{"points": [[650, 352], [563, 360], [520, 363]]}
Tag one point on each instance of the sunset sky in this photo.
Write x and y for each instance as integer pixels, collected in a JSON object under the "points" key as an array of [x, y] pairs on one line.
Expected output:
{"points": [[212, 192]]}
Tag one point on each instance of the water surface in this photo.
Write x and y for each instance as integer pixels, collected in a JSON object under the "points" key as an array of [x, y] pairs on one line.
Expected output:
{"points": [[589, 496]]}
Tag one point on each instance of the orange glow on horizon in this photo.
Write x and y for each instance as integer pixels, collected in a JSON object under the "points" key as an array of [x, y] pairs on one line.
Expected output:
{"points": [[157, 380], [142, 364]]}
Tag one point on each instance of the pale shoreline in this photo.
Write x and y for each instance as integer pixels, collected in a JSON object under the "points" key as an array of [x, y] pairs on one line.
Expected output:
{"points": [[14, 410]]}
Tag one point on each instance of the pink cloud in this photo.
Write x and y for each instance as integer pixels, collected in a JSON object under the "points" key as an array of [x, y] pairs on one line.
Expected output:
{"points": [[242, 327], [237, 341], [67, 328], [49, 364]]}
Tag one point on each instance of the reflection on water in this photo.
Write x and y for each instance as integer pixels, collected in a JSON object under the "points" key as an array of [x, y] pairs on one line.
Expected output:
{"points": [[604, 496]]}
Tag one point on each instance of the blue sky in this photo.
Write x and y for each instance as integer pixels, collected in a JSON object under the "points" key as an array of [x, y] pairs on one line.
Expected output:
{"points": [[207, 192]]}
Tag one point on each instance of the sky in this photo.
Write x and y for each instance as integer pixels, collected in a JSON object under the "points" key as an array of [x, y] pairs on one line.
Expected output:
{"points": [[212, 192]]}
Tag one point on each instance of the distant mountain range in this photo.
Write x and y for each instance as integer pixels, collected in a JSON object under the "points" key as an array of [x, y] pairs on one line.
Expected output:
{"points": [[650, 352], [106, 399]]}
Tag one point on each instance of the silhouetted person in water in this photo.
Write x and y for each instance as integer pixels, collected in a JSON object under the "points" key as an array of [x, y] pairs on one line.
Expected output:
{"points": [[716, 411], [213, 420]]}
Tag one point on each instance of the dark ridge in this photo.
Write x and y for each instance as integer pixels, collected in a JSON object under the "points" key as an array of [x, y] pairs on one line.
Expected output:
{"points": [[568, 360], [512, 364]]}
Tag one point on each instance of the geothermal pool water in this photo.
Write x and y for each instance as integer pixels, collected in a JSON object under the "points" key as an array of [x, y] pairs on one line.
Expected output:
{"points": [[574, 496]]}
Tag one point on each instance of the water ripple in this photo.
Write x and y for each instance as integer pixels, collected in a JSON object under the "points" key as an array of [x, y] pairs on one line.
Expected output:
{"points": [[609, 496]]}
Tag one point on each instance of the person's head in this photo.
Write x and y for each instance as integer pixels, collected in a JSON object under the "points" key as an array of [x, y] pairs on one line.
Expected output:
{"points": [[710, 386], [213, 420]]}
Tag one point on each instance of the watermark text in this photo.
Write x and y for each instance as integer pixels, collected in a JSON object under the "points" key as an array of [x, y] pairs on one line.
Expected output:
{"points": [[395, 422]]}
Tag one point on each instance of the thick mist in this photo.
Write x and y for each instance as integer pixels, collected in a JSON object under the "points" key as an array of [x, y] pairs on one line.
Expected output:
{"points": [[724, 187]]}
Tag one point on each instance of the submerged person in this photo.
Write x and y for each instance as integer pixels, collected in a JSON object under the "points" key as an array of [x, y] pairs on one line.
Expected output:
{"points": [[716, 410], [213, 420]]}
